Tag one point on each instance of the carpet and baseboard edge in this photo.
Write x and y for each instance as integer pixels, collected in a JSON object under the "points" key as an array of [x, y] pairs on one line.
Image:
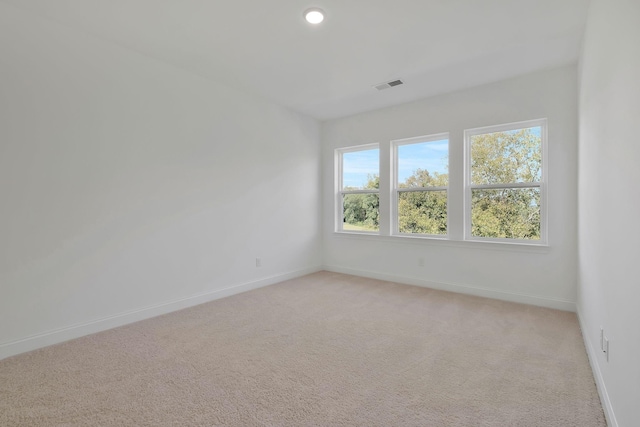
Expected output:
{"points": [[597, 375], [558, 304], [56, 336]]}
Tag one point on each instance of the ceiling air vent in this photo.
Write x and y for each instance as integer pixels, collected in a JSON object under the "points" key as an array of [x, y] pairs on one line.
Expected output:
{"points": [[387, 85]]}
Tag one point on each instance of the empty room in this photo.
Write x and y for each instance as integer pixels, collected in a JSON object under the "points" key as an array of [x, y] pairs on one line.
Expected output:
{"points": [[328, 213]]}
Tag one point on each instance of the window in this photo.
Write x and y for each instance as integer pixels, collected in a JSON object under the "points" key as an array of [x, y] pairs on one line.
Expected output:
{"points": [[492, 188], [359, 189], [421, 181], [505, 182]]}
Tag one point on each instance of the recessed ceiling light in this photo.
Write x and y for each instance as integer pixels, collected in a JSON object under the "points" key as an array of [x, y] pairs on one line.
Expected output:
{"points": [[314, 15]]}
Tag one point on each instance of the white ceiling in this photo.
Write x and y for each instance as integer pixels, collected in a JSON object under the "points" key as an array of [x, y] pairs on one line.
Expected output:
{"points": [[327, 71]]}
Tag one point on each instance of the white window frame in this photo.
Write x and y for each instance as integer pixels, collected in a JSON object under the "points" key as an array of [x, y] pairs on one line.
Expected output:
{"points": [[395, 190], [542, 184], [340, 192]]}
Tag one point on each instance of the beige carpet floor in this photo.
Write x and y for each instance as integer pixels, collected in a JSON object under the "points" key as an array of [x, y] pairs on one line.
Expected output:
{"points": [[323, 350]]}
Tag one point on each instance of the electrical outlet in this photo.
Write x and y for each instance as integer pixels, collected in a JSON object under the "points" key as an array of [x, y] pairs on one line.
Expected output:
{"points": [[421, 262], [258, 262]]}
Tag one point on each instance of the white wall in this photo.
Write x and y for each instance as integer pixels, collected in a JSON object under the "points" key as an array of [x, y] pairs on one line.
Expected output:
{"points": [[126, 183], [609, 203], [538, 276]]}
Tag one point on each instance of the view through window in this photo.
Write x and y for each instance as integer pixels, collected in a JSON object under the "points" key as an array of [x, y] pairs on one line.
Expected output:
{"points": [[422, 180], [505, 180], [360, 187], [497, 191]]}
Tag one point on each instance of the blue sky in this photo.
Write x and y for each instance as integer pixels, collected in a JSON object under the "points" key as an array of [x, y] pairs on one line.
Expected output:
{"points": [[432, 156], [357, 165]]}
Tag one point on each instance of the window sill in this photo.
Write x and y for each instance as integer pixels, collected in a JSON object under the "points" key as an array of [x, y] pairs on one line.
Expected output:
{"points": [[447, 242]]}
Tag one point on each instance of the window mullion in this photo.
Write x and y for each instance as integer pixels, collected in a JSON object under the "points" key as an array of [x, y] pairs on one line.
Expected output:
{"points": [[417, 189], [359, 192], [505, 185]]}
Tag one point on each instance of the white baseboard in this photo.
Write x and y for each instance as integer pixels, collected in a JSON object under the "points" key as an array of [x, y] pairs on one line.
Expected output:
{"points": [[56, 336], [597, 374], [559, 304]]}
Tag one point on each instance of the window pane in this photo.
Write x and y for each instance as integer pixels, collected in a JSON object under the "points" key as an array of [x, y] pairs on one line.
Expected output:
{"points": [[360, 169], [512, 213], [507, 157], [361, 212], [422, 212], [423, 164]]}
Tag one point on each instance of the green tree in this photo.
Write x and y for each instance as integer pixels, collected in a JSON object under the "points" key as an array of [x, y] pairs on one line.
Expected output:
{"points": [[423, 212], [362, 211], [506, 157], [503, 158]]}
